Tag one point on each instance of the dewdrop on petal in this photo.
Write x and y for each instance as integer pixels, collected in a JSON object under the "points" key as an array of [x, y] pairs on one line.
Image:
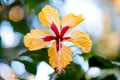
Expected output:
{"points": [[16, 13]]}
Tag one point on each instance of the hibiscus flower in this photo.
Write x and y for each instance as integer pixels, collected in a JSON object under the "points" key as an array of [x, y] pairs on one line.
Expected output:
{"points": [[59, 54]]}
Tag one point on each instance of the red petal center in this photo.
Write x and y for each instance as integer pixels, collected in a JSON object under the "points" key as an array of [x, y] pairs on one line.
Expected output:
{"points": [[59, 36], [49, 38], [55, 29], [63, 31]]}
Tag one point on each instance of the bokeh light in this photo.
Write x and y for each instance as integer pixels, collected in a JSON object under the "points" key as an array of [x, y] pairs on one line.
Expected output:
{"points": [[102, 18]]}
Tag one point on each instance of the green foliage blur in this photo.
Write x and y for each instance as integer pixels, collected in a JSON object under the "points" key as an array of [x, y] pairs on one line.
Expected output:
{"points": [[72, 71]]}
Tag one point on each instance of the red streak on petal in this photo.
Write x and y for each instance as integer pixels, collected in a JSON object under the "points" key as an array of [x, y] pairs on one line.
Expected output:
{"points": [[49, 38], [58, 46], [59, 65], [55, 29], [66, 38], [63, 31]]}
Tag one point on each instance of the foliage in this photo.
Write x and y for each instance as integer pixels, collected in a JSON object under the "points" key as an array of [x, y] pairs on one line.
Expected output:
{"points": [[72, 71]]}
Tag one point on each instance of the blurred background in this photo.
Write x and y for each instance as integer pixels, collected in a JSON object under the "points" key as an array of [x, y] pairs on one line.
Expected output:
{"points": [[102, 19]]}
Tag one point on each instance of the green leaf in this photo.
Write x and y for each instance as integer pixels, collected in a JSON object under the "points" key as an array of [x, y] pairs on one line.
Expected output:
{"points": [[72, 72], [108, 77], [37, 56], [101, 62], [86, 56], [118, 57], [30, 67], [20, 26], [32, 4]]}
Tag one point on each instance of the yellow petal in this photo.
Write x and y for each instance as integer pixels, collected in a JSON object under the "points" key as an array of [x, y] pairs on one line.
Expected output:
{"points": [[33, 39], [71, 20], [61, 58], [82, 40], [49, 15]]}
